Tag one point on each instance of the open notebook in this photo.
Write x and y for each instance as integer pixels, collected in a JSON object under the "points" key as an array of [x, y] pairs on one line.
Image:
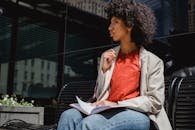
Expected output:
{"points": [[88, 109]]}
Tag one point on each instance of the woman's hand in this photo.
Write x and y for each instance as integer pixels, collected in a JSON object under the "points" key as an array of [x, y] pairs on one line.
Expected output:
{"points": [[108, 58], [103, 103]]}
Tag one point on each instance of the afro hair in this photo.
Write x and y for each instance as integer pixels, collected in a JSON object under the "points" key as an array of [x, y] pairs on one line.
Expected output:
{"points": [[136, 15]]}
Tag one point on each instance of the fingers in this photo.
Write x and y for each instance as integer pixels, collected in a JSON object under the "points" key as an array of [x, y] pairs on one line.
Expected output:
{"points": [[110, 55], [98, 103], [104, 102]]}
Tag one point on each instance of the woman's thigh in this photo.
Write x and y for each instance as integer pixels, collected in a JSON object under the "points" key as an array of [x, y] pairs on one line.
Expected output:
{"points": [[116, 119], [128, 120], [69, 119]]}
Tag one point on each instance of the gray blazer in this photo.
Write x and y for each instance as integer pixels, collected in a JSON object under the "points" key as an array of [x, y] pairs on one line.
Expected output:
{"points": [[152, 88]]}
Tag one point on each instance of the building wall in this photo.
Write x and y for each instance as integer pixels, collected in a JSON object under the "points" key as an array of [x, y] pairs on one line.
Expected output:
{"points": [[33, 71], [180, 16], [191, 15], [92, 6]]}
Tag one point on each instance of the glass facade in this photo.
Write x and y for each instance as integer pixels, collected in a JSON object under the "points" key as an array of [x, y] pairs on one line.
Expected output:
{"points": [[35, 70], [36, 60], [5, 42], [82, 51], [36, 56]]}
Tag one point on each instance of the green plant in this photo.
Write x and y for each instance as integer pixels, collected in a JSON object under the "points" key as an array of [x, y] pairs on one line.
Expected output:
{"points": [[13, 101]]}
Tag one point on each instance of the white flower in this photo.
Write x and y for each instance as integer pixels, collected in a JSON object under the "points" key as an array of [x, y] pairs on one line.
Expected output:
{"points": [[12, 101], [5, 99]]}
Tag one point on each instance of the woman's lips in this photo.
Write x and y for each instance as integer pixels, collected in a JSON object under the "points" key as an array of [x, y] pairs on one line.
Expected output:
{"points": [[111, 34]]}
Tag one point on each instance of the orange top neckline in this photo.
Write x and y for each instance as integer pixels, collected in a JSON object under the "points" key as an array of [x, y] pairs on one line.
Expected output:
{"points": [[125, 78]]}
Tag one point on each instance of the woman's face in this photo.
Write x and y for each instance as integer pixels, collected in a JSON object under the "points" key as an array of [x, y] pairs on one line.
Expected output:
{"points": [[118, 30]]}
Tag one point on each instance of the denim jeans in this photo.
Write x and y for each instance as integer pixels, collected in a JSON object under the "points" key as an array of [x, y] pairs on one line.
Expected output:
{"points": [[114, 119]]}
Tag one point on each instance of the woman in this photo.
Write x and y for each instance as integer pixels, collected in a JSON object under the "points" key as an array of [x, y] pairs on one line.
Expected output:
{"points": [[128, 75]]}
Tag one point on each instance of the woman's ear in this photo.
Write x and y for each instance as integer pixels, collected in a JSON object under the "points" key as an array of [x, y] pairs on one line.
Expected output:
{"points": [[129, 29]]}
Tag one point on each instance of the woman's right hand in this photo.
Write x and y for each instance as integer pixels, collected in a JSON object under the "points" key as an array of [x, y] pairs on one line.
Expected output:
{"points": [[108, 58]]}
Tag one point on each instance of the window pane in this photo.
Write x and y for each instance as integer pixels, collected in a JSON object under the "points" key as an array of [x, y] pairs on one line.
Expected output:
{"points": [[5, 40], [36, 58], [82, 51]]}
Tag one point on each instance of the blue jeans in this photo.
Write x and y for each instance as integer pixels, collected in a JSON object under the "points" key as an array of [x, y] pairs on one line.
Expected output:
{"points": [[114, 119]]}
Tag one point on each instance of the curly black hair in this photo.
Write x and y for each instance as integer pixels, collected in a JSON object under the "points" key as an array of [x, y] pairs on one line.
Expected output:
{"points": [[136, 15]]}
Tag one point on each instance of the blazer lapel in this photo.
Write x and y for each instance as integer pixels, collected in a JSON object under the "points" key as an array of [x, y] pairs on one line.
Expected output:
{"points": [[108, 75], [143, 66]]}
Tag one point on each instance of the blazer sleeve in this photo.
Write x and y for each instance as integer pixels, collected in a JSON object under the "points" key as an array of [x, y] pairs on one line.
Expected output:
{"points": [[151, 100], [100, 79]]}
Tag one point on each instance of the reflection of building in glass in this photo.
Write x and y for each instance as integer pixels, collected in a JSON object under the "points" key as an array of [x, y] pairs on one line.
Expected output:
{"points": [[92, 6], [33, 72], [191, 15]]}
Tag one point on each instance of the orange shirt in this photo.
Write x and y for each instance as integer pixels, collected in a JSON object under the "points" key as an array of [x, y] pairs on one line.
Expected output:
{"points": [[125, 78]]}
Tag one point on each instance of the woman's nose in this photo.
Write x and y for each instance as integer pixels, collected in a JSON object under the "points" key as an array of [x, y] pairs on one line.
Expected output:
{"points": [[109, 27]]}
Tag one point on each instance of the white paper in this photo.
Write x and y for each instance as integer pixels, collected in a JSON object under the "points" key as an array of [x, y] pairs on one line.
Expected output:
{"points": [[84, 105]]}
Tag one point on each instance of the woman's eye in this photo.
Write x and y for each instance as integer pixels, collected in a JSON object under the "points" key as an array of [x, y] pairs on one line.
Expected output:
{"points": [[116, 21]]}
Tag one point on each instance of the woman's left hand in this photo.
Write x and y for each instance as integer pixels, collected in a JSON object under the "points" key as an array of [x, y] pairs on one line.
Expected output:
{"points": [[103, 103]]}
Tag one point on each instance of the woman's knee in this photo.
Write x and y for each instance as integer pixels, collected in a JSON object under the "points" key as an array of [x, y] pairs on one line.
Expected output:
{"points": [[142, 121], [144, 124], [130, 119], [70, 114], [92, 122]]}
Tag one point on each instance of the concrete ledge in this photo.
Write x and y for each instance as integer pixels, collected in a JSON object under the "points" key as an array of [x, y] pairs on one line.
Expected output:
{"points": [[34, 115]]}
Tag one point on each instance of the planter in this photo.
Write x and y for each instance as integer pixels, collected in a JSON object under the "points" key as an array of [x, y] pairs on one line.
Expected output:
{"points": [[34, 115]]}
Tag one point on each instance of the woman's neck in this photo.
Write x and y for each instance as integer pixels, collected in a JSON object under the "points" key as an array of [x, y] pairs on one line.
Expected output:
{"points": [[127, 47]]}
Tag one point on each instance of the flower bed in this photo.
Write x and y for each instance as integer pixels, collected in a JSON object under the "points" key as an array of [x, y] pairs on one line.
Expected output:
{"points": [[11, 108]]}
